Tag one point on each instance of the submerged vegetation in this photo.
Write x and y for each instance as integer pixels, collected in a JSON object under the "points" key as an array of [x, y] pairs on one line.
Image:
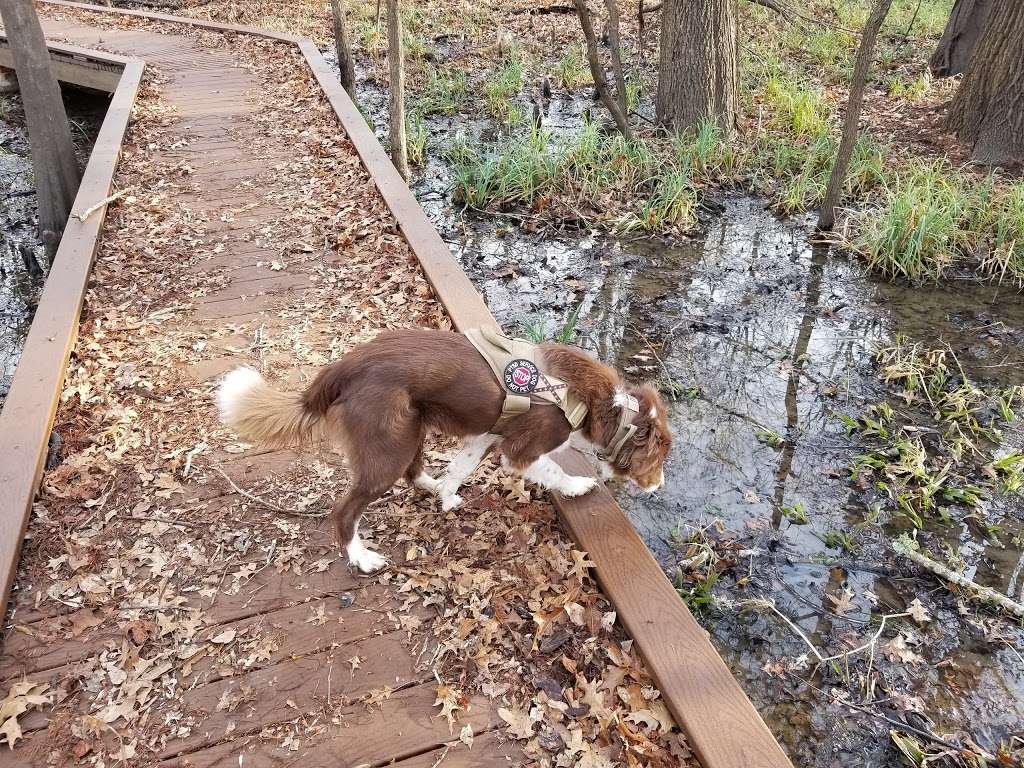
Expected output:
{"points": [[938, 448]]}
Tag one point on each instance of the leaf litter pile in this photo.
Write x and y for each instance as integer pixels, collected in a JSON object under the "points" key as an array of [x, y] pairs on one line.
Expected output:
{"points": [[162, 596]]}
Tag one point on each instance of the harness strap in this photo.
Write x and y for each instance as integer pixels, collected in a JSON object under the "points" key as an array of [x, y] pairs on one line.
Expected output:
{"points": [[625, 430]]}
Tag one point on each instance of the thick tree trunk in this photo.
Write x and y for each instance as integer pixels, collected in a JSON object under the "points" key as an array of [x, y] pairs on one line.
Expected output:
{"points": [[865, 54], [597, 71], [53, 153], [346, 68], [966, 21], [699, 70], [399, 152], [988, 110]]}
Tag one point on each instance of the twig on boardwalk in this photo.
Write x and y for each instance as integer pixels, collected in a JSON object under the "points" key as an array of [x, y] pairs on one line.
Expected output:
{"points": [[109, 199], [298, 513], [443, 756], [264, 502]]}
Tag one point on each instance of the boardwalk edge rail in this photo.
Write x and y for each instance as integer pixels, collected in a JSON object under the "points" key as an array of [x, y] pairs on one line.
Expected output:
{"points": [[31, 404], [722, 726]]}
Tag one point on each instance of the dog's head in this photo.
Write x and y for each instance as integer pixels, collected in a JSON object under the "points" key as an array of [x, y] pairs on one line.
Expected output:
{"points": [[642, 457]]}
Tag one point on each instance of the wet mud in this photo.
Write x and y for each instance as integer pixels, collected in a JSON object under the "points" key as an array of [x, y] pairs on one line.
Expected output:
{"points": [[23, 263]]}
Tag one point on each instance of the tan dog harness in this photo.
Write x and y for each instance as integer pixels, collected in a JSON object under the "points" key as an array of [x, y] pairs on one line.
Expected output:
{"points": [[514, 364]]}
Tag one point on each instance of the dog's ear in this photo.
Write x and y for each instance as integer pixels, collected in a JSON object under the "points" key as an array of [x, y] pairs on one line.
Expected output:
{"points": [[652, 409]]}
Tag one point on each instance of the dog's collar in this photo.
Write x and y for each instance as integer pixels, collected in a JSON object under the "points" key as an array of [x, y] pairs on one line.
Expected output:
{"points": [[625, 430]]}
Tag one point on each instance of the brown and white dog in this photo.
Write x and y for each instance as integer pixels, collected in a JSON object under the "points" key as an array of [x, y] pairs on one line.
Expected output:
{"points": [[378, 402]]}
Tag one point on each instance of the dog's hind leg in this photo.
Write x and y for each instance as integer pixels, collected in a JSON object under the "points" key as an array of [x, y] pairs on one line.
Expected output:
{"points": [[461, 466], [417, 477], [389, 446]]}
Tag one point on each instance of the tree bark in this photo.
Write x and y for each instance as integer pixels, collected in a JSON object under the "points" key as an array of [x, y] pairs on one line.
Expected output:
{"points": [[698, 73], [988, 109], [956, 46], [597, 71], [53, 153], [396, 66], [615, 44], [865, 54], [346, 67]]}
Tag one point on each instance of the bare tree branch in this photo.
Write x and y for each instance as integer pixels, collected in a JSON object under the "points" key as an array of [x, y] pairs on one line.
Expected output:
{"points": [[597, 71], [865, 54]]}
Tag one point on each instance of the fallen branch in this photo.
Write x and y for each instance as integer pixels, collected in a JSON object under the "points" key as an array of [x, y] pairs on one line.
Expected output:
{"points": [[910, 549], [770, 605], [544, 10], [109, 199]]}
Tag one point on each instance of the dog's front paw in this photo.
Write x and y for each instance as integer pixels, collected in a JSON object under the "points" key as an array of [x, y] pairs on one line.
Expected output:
{"points": [[576, 486], [367, 561], [450, 501]]}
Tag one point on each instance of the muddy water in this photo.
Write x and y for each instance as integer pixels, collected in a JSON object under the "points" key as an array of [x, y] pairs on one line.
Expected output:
{"points": [[760, 331], [23, 263]]}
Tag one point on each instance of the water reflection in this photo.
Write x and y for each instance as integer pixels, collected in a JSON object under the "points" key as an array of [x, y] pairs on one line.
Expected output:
{"points": [[770, 335]]}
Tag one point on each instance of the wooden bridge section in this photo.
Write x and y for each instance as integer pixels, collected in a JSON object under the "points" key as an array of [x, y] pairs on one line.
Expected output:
{"points": [[336, 635]]}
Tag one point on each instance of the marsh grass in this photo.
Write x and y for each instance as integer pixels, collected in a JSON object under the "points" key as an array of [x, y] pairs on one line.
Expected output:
{"points": [[573, 70], [416, 138], [443, 92], [502, 85], [929, 217], [899, 86], [530, 168]]}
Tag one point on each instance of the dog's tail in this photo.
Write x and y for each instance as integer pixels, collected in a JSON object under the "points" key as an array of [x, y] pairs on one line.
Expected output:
{"points": [[261, 414]]}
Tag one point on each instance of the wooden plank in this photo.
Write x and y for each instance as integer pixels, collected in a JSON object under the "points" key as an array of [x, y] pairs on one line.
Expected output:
{"points": [[28, 412], [299, 686], [301, 629], [67, 68], [405, 725], [489, 750], [720, 723]]}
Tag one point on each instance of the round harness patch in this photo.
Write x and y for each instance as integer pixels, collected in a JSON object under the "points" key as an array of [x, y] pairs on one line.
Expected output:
{"points": [[521, 377]]}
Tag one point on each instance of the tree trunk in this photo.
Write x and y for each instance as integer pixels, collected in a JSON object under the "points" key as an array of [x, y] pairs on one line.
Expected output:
{"points": [[597, 71], [346, 68], [615, 44], [53, 153], [396, 66], [988, 110], [966, 21], [698, 73], [865, 54]]}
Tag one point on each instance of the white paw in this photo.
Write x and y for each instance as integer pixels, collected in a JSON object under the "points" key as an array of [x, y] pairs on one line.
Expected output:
{"points": [[576, 486], [367, 561], [450, 501], [426, 483]]}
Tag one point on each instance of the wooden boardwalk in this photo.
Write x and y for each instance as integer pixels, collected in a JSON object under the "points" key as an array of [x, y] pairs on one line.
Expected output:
{"points": [[302, 663], [212, 98]]}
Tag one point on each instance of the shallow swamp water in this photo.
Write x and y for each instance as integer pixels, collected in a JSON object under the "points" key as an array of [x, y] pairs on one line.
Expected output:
{"points": [[761, 332], [23, 263]]}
